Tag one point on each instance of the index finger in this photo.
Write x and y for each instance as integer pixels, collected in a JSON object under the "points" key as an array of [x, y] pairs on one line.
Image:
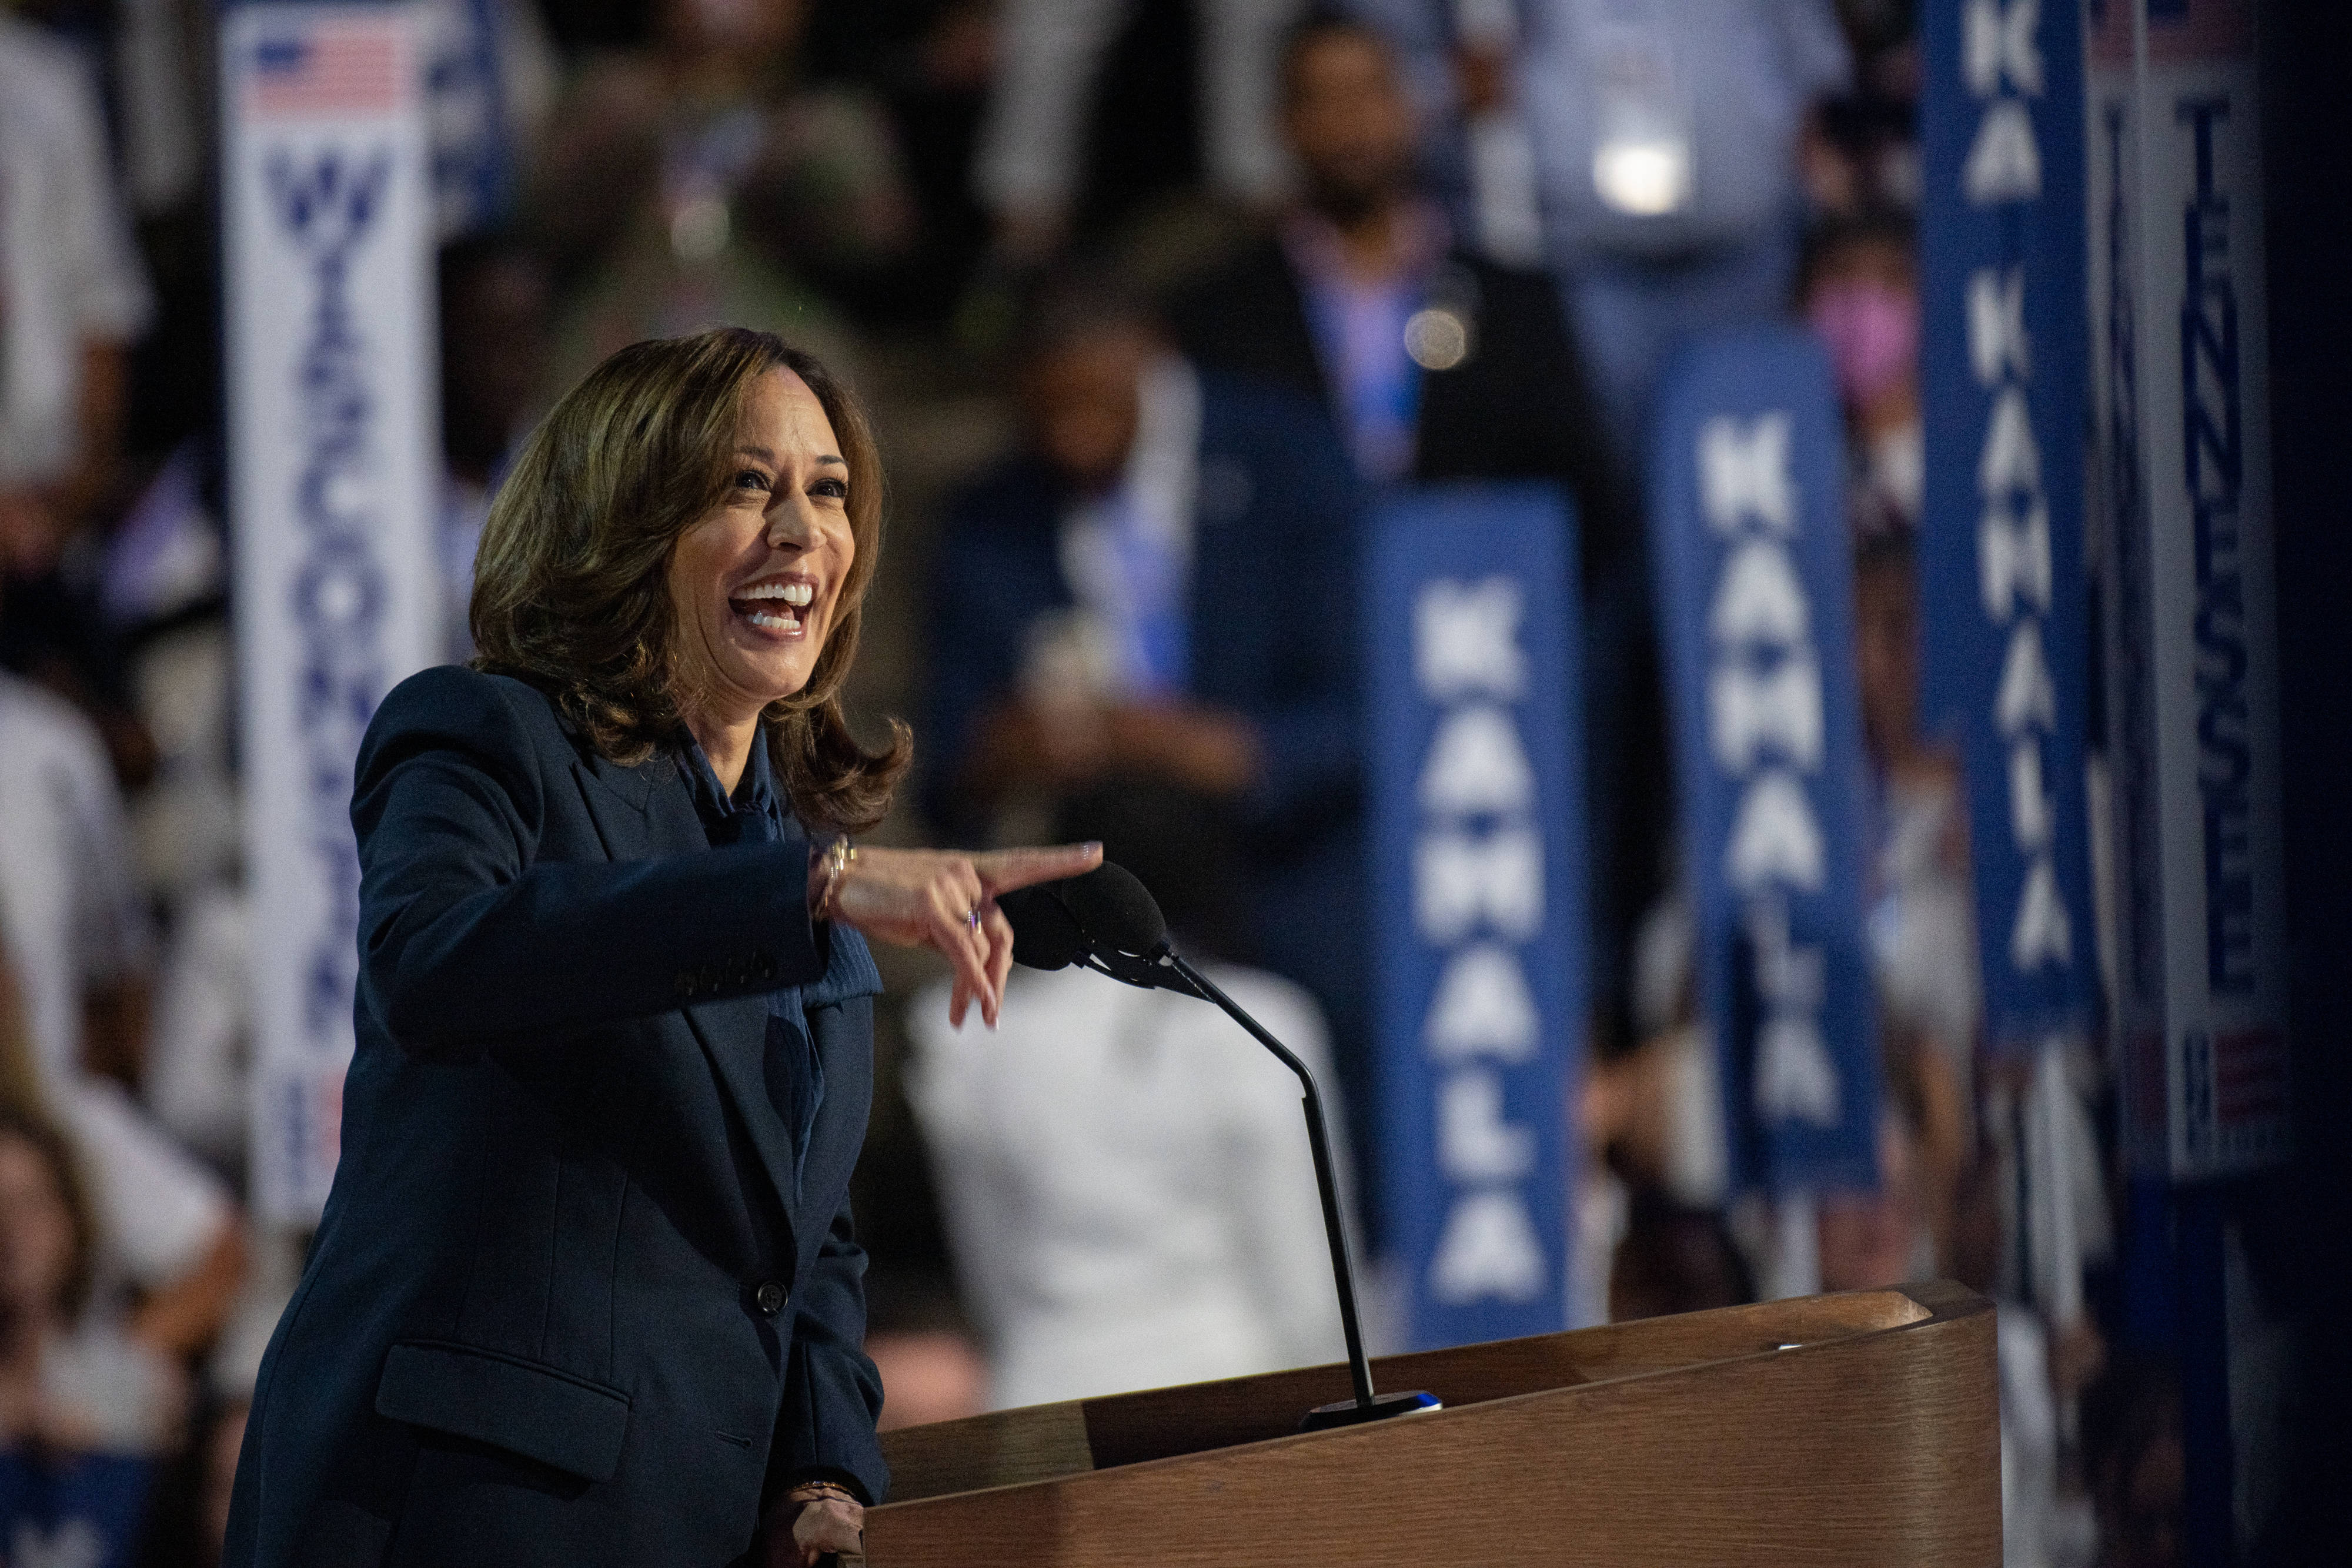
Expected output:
{"points": [[1002, 871]]}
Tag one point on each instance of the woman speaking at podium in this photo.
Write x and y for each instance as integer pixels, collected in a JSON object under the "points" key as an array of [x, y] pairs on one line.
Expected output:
{"points": [[586, 1289]]}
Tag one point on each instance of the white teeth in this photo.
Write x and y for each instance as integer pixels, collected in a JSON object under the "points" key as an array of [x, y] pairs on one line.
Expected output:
{"points": [[774, 623], [790, 592]]}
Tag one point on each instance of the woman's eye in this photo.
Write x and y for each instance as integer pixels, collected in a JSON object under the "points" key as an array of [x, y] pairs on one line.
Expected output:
{"points": [[751, 479], [838, 489]]}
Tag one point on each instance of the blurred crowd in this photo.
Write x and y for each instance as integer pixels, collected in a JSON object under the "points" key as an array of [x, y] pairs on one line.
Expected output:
{"points": [[1149, 297]]}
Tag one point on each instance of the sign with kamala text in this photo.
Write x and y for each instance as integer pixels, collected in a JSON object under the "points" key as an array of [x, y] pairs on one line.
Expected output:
{"points": [[2004, 608], [331, 329], [1756, 579], [1478, 894]]}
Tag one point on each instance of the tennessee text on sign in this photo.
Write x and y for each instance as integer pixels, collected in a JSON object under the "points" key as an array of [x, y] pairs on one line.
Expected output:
{"points": [[1757, 579], [329, 219], [1478, 896], [2002, 590], [2183, 421]]}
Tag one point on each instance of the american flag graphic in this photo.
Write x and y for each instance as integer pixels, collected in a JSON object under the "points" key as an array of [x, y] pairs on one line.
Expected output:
{"points": [[2250, 1075], [332, 66]]}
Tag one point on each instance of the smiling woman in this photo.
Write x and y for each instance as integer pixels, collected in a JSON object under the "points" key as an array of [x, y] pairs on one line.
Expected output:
{"points": [[587, 1291], [652, 484]]}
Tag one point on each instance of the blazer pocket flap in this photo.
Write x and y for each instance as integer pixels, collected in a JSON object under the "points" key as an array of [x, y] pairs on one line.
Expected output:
{"points": [[527, 1408]]}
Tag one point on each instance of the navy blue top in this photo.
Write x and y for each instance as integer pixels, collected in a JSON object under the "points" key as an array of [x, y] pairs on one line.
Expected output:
{"points": [[755, 815]]}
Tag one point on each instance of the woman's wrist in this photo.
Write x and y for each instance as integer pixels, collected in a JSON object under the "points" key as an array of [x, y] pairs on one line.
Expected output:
{"points": [[829, 864]]}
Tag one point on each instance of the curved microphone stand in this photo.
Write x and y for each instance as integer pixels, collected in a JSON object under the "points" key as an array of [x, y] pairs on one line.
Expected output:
{"points": [[1107, 922]]}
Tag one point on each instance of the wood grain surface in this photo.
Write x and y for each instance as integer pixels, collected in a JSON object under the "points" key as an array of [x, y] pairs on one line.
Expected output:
{"points": [[1684, 1440]]}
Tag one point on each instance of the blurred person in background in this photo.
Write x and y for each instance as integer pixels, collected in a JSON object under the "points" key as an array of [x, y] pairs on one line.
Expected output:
{"points": [[1438, 365], [933, 63], [495, 305], [1858, 289], [1665, 138], [75, 934], [921, 1345], [1126, 1173], [73, 300], [84, 1414], [1059, 153], [1160, 587], [1888, 1236], [701, 180]]}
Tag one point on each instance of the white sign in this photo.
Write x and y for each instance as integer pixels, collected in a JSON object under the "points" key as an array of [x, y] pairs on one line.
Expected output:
{"points": [[333, 477], [2182, 384]]}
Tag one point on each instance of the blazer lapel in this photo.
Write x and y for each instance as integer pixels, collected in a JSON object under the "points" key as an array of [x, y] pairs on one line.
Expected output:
{"points": [[615, 798], [733, 1032]]}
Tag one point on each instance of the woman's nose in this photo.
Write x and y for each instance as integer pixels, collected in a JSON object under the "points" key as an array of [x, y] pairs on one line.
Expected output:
{"points": [[788, 527]]}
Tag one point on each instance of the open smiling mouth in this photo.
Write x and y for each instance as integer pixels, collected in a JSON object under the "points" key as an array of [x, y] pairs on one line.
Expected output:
{"points": [[778, 608]]}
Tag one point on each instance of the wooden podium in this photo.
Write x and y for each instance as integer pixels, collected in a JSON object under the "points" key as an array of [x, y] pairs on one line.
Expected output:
{"points": [[1861, 1428]]}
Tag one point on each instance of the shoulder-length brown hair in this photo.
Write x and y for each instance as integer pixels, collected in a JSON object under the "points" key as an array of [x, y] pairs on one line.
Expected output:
{"points": [[571, 589]]}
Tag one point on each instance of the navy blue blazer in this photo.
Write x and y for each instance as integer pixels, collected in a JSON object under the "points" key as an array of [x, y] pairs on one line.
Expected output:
{"points": [[564, 1306]]}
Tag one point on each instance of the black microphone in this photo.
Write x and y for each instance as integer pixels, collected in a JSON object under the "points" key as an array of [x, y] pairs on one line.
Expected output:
{"points": [[1044, 936], [1107, 921]]}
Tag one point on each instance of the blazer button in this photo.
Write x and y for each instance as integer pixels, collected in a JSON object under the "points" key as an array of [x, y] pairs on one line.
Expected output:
{"points": [[770, 1297]]}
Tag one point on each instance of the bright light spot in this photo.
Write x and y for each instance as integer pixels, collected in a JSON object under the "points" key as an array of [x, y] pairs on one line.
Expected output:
{"points": [[1437, 339], [1646, 179]]}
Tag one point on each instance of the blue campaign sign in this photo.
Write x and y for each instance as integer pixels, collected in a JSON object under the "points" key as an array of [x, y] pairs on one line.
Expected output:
{"points": [[1478, 894], [2001, 541], [1756, 579]]}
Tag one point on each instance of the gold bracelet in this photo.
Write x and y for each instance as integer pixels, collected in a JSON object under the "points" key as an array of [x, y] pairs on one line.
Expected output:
{"points": [[817, 1492], [839, 857]]}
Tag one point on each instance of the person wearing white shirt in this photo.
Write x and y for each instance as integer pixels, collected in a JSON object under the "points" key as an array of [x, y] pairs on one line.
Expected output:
{"points": [[1127, 1185], [72, 924], [72, 295], [1028, 166]]}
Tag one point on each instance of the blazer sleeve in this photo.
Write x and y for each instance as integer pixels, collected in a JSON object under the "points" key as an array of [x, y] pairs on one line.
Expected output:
{"points": [[832, 1394], [467, 938]]}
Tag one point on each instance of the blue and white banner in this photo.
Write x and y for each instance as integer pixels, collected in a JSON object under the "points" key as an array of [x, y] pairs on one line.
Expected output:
{"points": [[333, 472], [1478, 889], [2001, 541], [1756, 577], [2181, 381]]}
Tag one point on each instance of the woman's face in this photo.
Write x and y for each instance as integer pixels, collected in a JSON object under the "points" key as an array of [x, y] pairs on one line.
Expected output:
{"points": [[37, 1237], [755, 584]]}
